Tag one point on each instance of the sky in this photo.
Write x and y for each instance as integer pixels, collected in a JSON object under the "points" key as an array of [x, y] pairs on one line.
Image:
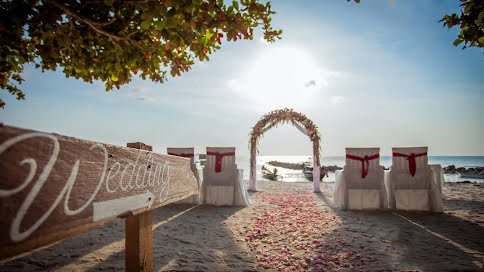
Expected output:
{"points": [[375, 74]]}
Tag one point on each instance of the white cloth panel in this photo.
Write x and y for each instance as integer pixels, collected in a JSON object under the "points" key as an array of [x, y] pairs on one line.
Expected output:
{"points": [[364, 199], [353, 192], [316, 174], [244, 200], [302, 129], [423, 191], [220, 195], [362, 152], [402, 162], [253, 173], [412, 200], [227, 161], [438, 175], [225, 187]]}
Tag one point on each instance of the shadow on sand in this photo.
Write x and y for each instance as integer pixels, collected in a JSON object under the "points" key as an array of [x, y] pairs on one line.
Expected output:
{"points": [[182, 235], [403, 240]]}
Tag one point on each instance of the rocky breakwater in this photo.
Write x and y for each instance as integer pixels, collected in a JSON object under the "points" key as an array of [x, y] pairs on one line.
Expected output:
{"points": [[451, 169], [300, 166]]}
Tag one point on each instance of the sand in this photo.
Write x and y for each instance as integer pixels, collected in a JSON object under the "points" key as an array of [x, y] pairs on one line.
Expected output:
{"points": [[287, 228]]}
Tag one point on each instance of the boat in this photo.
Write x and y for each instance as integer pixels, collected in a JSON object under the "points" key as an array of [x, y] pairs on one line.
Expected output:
{"points": [[308, 172], [268, 174]]}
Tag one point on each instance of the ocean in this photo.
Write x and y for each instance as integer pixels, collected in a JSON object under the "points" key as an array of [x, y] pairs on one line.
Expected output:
{"points": [[296, 175]]}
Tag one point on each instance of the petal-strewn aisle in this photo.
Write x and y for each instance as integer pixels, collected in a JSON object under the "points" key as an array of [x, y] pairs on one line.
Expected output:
{"points": [[291, 234]]}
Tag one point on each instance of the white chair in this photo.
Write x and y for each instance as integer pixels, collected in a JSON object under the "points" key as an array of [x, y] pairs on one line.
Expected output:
{"points": [[412, 184], [360, 185], [187, 152], [222, 182]]}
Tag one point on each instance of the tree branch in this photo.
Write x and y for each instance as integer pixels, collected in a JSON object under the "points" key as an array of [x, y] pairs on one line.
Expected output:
{"points": [[94, 25]]}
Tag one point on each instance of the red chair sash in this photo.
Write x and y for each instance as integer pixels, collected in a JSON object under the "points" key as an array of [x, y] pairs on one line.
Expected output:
{"points": [[364, 162], [412, 166], [184, 155], [218, 159]]}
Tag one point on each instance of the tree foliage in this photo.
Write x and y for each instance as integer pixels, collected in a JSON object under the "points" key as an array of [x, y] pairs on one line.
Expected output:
{"points": [[471, 22], [112, 40]]}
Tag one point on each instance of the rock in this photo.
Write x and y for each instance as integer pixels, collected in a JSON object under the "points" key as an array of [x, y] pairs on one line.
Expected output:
{"points": [[450, 169]]}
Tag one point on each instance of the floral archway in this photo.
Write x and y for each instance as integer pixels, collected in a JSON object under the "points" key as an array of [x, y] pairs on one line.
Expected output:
{"points": [[301, 122]]}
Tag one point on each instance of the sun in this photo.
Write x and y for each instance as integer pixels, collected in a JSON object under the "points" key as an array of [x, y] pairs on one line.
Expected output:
{"points": [[280, 77]]}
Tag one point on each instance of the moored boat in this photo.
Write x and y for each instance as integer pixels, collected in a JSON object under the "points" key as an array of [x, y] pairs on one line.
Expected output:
{"points": [[268, 174], [308, 172]]}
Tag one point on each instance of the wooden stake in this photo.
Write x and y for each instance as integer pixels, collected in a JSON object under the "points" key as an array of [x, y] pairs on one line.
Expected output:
{"points": [[139, 242], [139, 235]]}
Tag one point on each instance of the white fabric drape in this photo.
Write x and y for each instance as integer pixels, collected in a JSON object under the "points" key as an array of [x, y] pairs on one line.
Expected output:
{"points": [[353, 191], [225, 187], [252, 186], [424, 198], [302, 129], [316, 174]]}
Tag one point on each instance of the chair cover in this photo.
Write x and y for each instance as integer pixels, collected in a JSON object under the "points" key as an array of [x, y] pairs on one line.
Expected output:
{"points": [[223, 183], [413, 184], [187, 152], [360, 185]]}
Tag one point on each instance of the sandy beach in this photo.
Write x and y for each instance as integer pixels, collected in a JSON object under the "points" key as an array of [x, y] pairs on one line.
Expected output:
{"points": [[287, 227]]}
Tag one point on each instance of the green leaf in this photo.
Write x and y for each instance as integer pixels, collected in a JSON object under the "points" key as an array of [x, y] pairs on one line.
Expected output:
{"points": [[159, 25], [458, 41], [114, 78], [146, 24], [235, 4], [109, 2]]}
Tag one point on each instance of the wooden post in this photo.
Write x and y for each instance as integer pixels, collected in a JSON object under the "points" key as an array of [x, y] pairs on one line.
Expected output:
{"points": [[139, 235]]}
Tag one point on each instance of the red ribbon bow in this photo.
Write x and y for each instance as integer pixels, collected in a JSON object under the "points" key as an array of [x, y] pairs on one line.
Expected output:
{"points": [[218, 159], [364, 162], [184, 155], [412, 166]]}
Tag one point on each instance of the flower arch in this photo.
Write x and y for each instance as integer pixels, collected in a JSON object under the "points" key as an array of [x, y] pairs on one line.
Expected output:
{"points": [[272, 119]]}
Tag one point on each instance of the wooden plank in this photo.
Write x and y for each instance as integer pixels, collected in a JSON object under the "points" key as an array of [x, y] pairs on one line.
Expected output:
{"points": [[53, 186], [139, 242], [140, 145], [139, 235]]}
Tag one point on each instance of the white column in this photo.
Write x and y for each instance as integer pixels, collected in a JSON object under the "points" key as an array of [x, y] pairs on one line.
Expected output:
{"points": [[253, 166], [316, 173]]}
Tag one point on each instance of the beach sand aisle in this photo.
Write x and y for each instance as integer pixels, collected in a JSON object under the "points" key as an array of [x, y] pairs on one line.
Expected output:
{"points": [[287, 227]]}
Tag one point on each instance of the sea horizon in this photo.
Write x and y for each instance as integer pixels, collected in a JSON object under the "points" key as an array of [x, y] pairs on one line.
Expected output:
{"points": [[444, 161]]}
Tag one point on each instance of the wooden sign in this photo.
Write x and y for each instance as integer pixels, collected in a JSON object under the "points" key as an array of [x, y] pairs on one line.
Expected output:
{"points": [[53, 187]]}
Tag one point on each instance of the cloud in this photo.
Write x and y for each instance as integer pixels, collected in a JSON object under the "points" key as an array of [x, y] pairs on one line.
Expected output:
{"points": [[138, 90], [337, 100], [312, 82]]}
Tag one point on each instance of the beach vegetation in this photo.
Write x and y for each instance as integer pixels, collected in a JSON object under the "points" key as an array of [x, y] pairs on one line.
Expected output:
{"points": [[114, 40], [471, 23]]}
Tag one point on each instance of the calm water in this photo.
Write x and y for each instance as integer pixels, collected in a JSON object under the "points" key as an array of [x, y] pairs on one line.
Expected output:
{"points": [[293, 175]]}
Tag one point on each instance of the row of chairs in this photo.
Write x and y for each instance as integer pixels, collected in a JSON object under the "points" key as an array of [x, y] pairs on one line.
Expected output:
{"points": [[221, 182], [411, 183]]}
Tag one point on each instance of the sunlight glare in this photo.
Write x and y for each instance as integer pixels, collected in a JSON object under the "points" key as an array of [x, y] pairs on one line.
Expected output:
{"points": [[280, 77]]}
